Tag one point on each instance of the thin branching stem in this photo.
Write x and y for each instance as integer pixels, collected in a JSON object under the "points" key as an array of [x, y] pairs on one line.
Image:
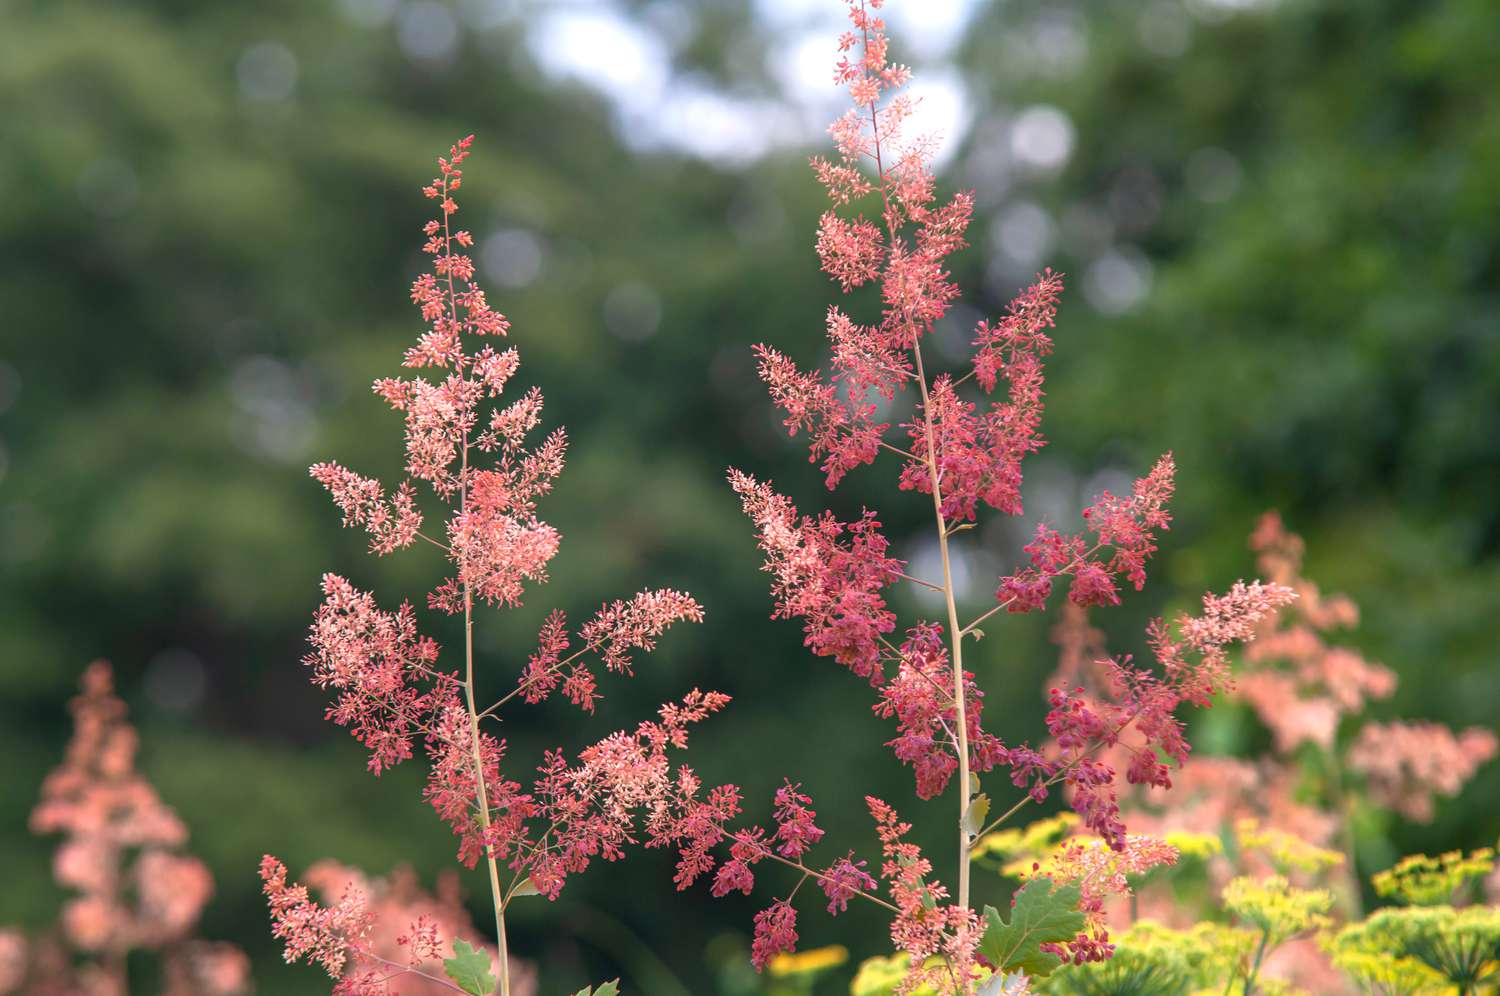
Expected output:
{"points": [[482, 796], [960, 720]]}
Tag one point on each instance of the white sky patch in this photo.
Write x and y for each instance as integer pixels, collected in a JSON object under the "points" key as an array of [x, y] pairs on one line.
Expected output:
{"points": [[928, 29], [703, 121], [943, 109], [1042, 137], [922, 30], [603, 50], [627, 60]]}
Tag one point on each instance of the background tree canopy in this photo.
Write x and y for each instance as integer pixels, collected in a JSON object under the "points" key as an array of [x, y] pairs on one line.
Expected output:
{"points": [[1281, 223]]}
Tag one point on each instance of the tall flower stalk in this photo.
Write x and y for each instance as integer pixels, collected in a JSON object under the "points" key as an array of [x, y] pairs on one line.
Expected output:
{"points": [[964, 444], [392, 691]]}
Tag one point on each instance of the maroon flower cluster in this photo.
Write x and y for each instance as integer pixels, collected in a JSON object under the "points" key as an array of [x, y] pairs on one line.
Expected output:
{"points": [[1143, 703], [920, 698], [963, 445], [828, 573], [1127, 527]]}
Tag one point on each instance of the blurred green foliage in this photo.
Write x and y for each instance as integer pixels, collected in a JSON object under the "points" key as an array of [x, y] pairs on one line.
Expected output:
{"points": [[1283, 228]]}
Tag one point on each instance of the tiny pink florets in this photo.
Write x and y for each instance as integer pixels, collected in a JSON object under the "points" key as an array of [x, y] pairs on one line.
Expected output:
{"points": [[476, 452]]}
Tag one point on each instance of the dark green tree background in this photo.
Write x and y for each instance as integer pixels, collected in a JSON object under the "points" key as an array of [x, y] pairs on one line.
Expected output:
{"points": [[1282, 227]]}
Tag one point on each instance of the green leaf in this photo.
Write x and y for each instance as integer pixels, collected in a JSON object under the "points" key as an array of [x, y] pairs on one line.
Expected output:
{"points": [[605, 989], [1039, 916], [469, 968], [978, 809]]}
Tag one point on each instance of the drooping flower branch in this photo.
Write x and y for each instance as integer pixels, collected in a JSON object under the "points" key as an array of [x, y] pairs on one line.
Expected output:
{"points": [[963, 444], [1329, 767], [394, 689]]}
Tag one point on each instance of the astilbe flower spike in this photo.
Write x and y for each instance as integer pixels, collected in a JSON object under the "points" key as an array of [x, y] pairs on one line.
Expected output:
{"points": [[121, 853], [962, 442], [469, 444]]}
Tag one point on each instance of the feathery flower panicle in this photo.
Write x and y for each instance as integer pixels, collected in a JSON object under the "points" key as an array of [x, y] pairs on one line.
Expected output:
{"points": [[1127, 527], [120, 853], [381, 667], [1407, 765], [316, 933], [625, 626], [599, 806], [471, 444], [920, 698], [831, 582], [963, 445], [1143, 704]]}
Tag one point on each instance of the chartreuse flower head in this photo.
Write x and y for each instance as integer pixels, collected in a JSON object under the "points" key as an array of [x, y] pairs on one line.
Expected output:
{"points": [[882, 976], [1029, 842], [1383, 973], [1149, 960], [1278, 908], [807, 964], [1286, 851], [1198, 846], [1419, 880], [1461, 946]]}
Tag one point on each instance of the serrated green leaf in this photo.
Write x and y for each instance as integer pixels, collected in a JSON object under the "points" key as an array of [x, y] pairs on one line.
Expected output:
{"points": [[604, 989], [1041, 915], [469, 968]]}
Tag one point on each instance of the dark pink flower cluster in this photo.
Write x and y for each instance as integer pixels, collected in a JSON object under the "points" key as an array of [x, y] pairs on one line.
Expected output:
{"points": [[919, 696], [926, 923], [843, 430], [834, 585], [392, 522], [1126, 527], [622, 787], [1193, 668], [923, 926], [828, 573], [465, 760], [796, 830], [775, 933]]}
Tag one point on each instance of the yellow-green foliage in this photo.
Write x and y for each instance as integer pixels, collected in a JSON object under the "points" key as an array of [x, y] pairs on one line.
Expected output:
{"points": [[1152, 960], [807, 963], [1201, 846], [1385, 974], [1423, 881], [1278, 908], [1030, 841], [1460, 945], [881, 976], [1286, 851]]}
